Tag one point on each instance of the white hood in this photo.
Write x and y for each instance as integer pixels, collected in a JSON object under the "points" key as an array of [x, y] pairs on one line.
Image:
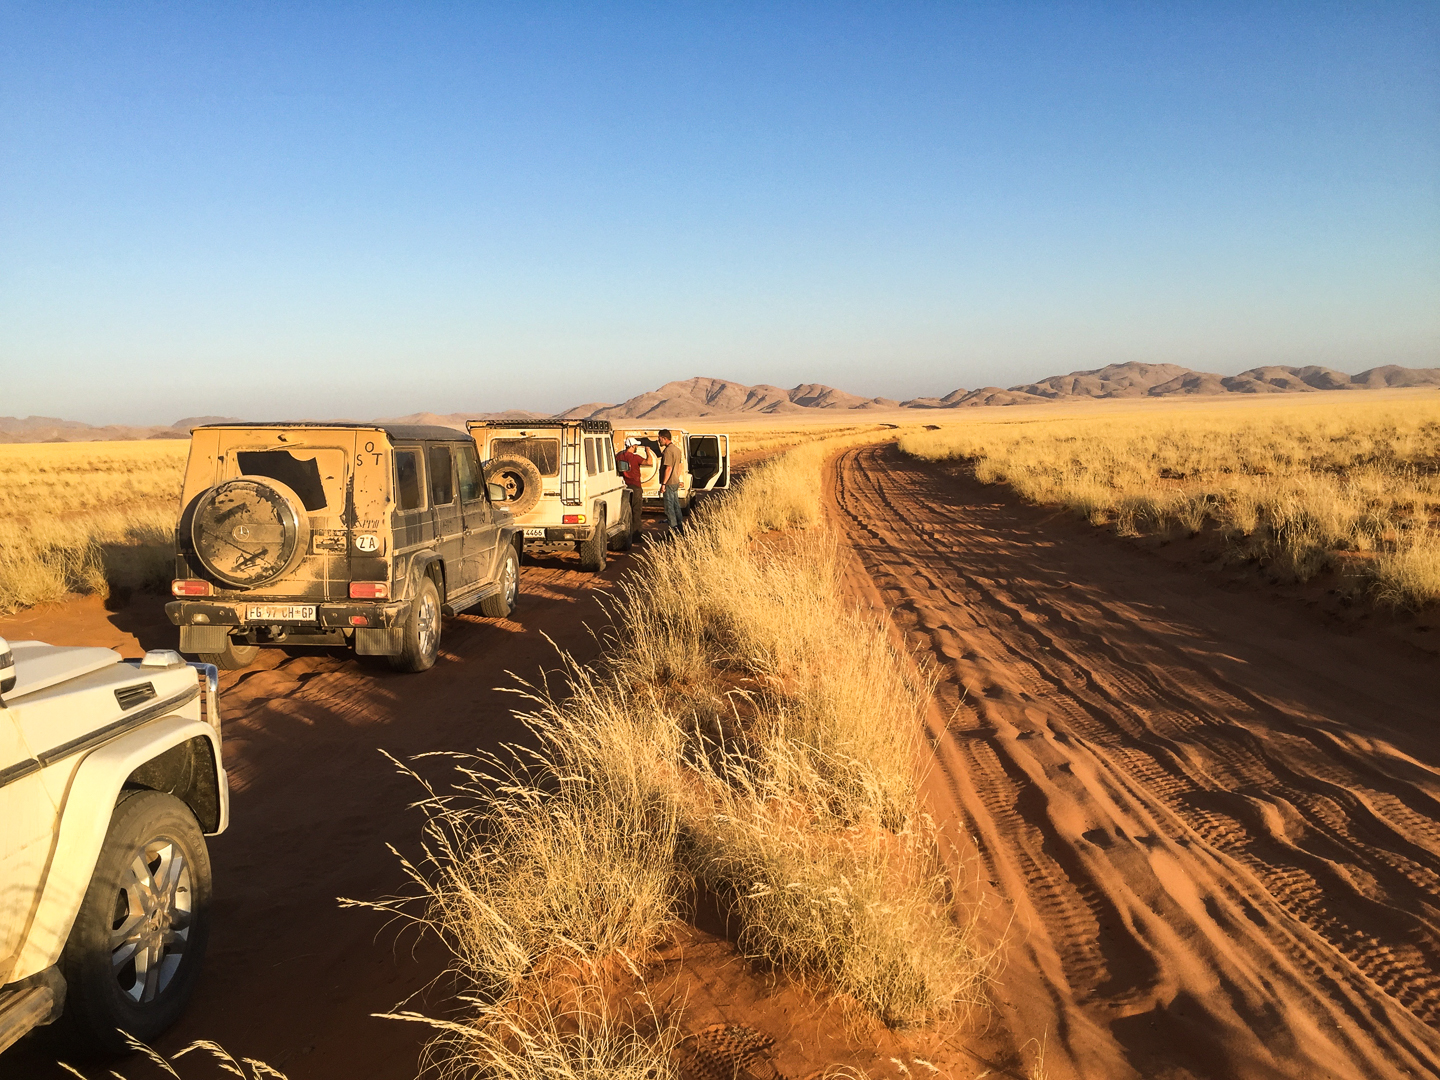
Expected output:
{"points": [[38, 665]]}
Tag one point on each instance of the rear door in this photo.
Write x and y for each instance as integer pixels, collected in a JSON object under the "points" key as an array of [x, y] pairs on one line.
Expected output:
{"points": [[412, 523], [449, 522], [481, 530], [709, 457]]}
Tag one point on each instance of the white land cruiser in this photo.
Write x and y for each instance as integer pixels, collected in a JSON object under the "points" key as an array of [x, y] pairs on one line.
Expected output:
{"points": [[561, 485], [110, 779], [705, 464]]}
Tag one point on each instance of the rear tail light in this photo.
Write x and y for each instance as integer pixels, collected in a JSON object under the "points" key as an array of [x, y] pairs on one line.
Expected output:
{"points": [[573, 519], [189, 587], [369, 590]]}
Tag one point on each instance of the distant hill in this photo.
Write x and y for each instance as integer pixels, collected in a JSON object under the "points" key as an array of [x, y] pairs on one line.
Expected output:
{"points": [[1132, 380], [721, 397], [693, 398]]}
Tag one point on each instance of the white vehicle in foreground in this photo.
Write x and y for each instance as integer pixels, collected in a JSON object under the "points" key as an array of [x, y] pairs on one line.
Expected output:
{"points": [[110, 779]]}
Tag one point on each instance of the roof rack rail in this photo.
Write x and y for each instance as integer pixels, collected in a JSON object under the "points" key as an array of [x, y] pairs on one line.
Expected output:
{"points": [[601, 426]]}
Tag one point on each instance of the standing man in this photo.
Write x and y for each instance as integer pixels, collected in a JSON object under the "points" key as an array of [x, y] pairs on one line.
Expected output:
{"points": [[672, 470], [635, 455]]}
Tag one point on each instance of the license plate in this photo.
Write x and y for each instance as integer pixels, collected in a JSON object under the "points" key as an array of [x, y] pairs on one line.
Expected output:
{"points": [[281, 613], [535, 534]]}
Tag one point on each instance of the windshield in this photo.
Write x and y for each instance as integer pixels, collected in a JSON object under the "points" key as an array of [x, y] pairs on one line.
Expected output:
{"points": [[545, 453]]}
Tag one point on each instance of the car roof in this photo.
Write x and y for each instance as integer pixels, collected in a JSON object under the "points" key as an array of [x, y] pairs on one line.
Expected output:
{"points": [[397, 432], [593, 426]]}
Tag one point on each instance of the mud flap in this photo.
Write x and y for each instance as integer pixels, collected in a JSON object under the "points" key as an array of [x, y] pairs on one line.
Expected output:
{"points": [[379, 641], [203, 639]]}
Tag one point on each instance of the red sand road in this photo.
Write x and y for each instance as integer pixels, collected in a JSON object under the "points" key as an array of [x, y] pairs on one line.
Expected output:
{"points": [[290, 977], [1210, 826]]}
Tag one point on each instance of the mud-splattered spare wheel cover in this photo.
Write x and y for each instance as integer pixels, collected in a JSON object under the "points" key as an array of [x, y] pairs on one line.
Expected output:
{"points": [[250, 530]]}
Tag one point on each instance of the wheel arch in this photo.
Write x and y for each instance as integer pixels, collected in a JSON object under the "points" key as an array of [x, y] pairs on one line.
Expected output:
{"points": [[427, 564], [90, 799]]}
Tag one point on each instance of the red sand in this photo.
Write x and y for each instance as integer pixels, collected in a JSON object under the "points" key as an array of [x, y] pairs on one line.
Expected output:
{"points": [[1208, 824], [290, 977]]}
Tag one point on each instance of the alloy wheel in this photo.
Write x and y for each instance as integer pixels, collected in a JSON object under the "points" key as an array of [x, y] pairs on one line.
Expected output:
{"points": [[426, 624], [152, 920]]}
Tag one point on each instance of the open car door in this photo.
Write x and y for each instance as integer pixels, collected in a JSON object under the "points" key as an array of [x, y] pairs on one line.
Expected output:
{"points": [[709, 457]]}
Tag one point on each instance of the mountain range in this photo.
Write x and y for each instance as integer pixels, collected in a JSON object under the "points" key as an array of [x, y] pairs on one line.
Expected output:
{"points": [[720, 397]]}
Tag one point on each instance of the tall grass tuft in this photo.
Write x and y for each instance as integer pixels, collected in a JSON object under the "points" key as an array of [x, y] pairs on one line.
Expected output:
{"points": [[751, 733], [1293, 485]]}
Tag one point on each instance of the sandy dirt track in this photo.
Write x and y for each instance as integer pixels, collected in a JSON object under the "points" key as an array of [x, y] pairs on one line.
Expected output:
{"points": [[1209, 825], [290, 978]]}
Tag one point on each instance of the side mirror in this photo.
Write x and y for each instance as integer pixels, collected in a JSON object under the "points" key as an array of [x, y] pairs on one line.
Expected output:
{"points": [[497, 492], [7, 667]]}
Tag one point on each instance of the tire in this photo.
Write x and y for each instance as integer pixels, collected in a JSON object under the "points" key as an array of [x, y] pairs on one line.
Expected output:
{"points": [[637, 514], [233, 657], [421, 641], [621, 540], [249, 531], [164, 934], [521, 480], [503, 603], [592, 551]]}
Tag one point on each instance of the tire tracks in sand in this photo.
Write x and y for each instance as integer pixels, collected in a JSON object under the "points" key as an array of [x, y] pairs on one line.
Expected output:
{"points": [[1210, 827]]}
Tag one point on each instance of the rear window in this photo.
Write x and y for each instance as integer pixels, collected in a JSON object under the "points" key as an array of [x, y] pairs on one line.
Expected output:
{"points": [[407, 480], [308, 473], [545, 453], [442, 477], [589, 457]]}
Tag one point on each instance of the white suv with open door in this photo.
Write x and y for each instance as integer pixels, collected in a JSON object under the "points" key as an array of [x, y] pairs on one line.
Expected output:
{"points": [[110, 780], [705, 462]]}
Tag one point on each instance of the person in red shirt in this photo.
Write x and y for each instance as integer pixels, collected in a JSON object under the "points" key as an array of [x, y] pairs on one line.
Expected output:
{"points": [[629, 461]]}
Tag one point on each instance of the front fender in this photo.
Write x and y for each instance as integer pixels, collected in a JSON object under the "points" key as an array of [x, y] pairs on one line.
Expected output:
{"points": [[85, 817], [514, 536]]}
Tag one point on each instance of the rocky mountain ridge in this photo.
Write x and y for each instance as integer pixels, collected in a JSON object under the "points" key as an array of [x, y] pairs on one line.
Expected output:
{"points": [[700, 397]]}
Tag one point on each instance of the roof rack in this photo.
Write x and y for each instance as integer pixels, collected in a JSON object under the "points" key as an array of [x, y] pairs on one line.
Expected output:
{"points": [[433, 432], [600, 426]]}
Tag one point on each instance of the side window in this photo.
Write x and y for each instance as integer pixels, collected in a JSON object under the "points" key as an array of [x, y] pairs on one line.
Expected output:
{"points": [[589, 457], [442, 476], [468, 475], [407, 480], [609, 455]]}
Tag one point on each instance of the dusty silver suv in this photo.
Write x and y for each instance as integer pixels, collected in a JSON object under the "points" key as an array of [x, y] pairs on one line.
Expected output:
{"points": [[357, 535]]}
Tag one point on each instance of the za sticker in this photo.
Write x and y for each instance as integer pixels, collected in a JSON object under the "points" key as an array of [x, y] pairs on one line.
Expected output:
{"points": [[367, 542]]}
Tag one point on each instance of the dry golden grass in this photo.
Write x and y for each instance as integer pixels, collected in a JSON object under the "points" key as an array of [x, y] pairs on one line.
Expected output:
{"points": [[86, 517], [244, 1068], [1301, 486], [750, 732], [749, 440]]}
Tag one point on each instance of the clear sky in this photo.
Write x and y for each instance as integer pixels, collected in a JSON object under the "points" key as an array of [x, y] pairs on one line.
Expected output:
{"points": [[270, 209]]}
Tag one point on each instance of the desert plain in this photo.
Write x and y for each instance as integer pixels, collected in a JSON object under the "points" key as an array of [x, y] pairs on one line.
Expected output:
{"points": [[1127, 708]]}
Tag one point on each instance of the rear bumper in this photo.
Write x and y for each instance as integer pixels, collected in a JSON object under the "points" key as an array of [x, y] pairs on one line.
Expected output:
{"points": [[344, 615]]}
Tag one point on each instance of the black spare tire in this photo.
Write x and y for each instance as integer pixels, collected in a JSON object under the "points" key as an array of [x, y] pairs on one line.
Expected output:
{"points": [[249, 531], [521, 480]]}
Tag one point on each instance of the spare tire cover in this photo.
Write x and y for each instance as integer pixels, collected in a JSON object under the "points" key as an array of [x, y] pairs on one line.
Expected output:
{"points": [[521, 480], [249, 531], [651, 469]]}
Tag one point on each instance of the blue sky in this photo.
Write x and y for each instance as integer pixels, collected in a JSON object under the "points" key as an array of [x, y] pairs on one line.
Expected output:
{"points": [[347, 209]]}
